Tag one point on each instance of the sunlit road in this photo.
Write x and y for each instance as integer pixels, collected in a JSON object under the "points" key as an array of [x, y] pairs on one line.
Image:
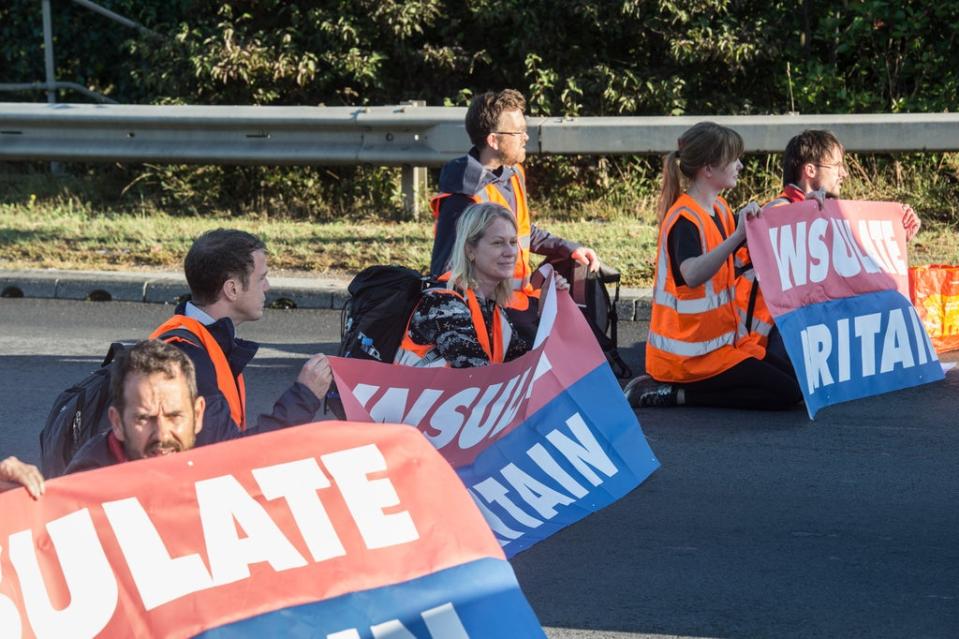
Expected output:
{"points": [[757, 524]]}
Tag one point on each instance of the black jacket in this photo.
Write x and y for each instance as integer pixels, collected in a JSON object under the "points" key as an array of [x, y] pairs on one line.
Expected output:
{"points": [[464, 177]]}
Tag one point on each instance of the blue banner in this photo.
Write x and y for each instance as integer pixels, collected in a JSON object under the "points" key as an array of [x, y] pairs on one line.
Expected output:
{"points": [[856, 347], [574, 456], [478, 599]]}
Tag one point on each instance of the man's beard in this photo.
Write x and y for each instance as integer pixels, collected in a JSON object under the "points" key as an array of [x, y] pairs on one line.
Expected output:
{"points": [[154, 448], [157, 448], [511, 159]]}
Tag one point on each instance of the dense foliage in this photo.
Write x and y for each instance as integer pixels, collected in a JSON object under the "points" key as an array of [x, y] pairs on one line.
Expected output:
{"points": [[575, 57]]}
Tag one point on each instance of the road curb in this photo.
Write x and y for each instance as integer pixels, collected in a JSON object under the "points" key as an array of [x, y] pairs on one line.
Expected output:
{"points": [[300, 291]]}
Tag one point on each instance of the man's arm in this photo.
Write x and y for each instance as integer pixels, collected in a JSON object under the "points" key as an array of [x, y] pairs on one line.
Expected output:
{"points": [[297, 405], [451, 208], [545, 243], [552, 246]]}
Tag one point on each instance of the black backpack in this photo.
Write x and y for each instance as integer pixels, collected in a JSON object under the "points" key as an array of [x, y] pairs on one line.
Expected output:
{"points": [[589, 292], [80, 413], [373, 320], [382, 298]]}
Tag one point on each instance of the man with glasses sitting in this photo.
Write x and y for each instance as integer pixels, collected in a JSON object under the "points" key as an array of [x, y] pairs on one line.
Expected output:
{"points": [[814, 167], [492, 171]]}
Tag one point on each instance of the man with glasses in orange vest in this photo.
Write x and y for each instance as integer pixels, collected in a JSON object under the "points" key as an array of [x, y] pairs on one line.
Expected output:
{"points": [[492, 171], [227, 273]]}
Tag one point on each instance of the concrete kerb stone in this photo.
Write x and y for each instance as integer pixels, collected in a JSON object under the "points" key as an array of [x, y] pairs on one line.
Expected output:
{"points": [[301, 297], [35, 284], [169, 288], [165, 291], [101, 288]]}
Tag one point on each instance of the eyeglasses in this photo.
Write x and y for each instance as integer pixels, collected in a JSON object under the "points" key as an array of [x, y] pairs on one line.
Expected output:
{"points": [[511, 132], [838, 166]]}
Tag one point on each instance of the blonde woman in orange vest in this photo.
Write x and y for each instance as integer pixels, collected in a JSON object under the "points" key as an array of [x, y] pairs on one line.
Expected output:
{"points": [[698, 352], [464, 325]]}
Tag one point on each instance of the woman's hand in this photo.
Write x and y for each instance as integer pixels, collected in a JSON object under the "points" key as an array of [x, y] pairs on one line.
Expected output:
{"points": [[560, 282], [750, 210]]}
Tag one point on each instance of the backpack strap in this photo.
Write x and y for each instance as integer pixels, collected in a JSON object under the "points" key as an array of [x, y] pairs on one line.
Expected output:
{"points": [[115, 349]]}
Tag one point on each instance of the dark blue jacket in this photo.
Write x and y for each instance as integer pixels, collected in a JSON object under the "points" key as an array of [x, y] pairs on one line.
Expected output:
{"points": [[464, 177], [297, 405]]}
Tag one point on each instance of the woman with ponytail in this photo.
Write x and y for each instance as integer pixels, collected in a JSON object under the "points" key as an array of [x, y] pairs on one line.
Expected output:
{"points": [[699, 352]]}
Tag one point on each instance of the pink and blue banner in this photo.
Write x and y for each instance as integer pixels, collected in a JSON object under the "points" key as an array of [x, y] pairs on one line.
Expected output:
{"points": [[331, 530], [540, 442], [836, 282]]}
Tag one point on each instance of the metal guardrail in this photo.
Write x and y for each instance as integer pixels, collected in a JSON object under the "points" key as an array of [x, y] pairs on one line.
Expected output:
{"points": [[398, 135], [391, 135]]}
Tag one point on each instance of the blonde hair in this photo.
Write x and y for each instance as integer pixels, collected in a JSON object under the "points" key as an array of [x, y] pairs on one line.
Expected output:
{"points": [[705, 144], [470, 229]]}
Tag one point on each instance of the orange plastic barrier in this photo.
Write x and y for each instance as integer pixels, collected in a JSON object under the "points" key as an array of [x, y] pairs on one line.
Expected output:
{"points": [[934, 290]]}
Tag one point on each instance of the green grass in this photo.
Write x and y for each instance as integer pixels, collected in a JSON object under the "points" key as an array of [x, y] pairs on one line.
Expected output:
{"points": [[71, 237], [80, 222]]}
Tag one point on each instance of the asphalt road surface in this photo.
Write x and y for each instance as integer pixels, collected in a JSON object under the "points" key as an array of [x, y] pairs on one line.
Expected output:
{"points": [[757, 524]]}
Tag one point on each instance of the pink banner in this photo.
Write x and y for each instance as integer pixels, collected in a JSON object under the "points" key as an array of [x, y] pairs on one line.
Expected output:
{"points": [[175, 545], [462, 411], [803, 255]]}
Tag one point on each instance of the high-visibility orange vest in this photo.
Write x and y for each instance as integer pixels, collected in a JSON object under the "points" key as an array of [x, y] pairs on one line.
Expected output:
{"points": [[695, 332], [233, 389], [412, 354], [490, 193]]}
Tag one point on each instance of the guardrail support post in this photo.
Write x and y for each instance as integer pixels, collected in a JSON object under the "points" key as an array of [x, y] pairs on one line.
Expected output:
{"points": [[414, 189], [413, 180], [55, 167], [48, 53]]}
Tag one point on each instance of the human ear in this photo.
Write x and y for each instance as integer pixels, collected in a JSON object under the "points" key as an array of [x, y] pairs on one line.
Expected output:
{"points": [[198, 408], [116, 423], [230, 289]]}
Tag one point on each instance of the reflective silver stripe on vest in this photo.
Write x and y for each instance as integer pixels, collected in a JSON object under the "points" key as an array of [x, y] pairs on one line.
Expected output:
{"points": [[524, 241], [482, 195], [690, 349], [710, 302], [749, 274], [759, 326]]}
